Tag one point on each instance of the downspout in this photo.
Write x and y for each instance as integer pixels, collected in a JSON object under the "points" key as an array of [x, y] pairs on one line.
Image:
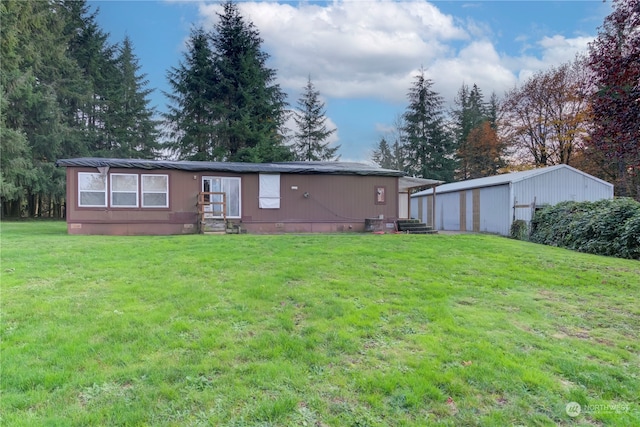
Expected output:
{"points": [[512, 198], [433, 208]]}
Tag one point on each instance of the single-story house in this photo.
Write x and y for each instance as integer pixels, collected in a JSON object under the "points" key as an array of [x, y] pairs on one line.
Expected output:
{"points": [[491, 204], [125, 196]]}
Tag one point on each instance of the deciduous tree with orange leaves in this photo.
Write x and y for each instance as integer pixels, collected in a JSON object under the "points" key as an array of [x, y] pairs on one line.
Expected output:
{"points": [[483, 151], [545, 120]]}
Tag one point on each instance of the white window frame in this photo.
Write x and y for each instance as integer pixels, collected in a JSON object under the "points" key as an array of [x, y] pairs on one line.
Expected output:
{"points": [[269, 191], [230, 178], [143, 191], [80, 190], [112, 191]]}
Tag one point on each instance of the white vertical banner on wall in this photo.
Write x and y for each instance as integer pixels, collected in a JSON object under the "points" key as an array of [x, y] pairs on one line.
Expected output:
{"points": [[269, 191]]}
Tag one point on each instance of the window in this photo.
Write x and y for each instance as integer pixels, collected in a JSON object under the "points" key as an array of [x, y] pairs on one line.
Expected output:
{"points": [[92, 189], [269, 197], [381, 195], [155, 191], [124, 190], [227, 185]]}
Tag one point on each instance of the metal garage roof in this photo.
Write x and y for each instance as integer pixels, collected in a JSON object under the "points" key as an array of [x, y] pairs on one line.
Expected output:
{"points": [[491, 181]]}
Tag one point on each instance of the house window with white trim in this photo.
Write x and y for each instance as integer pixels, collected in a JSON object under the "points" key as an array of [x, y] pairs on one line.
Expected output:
{"points": [[269, 192], [124, 190], [155, 191], [92, 189]]}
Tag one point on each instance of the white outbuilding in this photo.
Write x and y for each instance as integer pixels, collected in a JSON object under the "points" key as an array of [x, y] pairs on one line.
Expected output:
{"points": [[491, 204]]}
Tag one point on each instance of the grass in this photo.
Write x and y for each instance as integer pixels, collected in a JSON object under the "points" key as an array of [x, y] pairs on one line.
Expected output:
{"points": [[313, 330]]}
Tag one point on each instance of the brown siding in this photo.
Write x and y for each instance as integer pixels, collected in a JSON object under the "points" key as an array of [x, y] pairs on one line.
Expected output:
{"points": [[476, 209], [463, 211], [339, 198], [335, 203], [179, 217]]}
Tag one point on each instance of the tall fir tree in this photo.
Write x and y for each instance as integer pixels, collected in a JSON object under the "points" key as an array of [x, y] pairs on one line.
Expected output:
{"points": [[131, 125], [469, 114], [225, 104], [95, 56], [428, 146], [16, 168], [249, 107], [382, 154], [191, 116], [310, 137], [35, 66], [492, 110], [58, 78], [390, 155], [479, 150]]}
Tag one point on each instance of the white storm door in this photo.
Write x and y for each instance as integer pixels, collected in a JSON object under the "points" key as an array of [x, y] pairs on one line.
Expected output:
{"points": [[230, 186]]}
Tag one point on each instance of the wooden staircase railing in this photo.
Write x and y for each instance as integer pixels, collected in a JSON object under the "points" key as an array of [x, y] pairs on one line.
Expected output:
{"points": [[218, 211]]}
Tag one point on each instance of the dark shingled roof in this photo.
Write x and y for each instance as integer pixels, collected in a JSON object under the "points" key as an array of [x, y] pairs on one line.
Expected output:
{"points": [[305, 168], [332, 168]]}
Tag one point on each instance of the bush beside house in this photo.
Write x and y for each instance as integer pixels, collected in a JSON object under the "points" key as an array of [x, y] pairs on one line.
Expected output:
{"points": [[606, 227]]}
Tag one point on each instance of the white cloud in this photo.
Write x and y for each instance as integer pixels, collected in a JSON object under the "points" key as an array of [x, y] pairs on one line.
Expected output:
{"points": [[558, 49], [351, 49], [548, 52], [373, 49], [479, 63]]}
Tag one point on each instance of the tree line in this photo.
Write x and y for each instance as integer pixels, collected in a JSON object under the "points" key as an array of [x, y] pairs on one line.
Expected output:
{"points": [[584, 113], [65, 91]]}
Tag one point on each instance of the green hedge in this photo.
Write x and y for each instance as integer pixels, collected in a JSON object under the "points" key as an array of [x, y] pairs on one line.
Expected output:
{"points": [[606, 227], [519, 230]]}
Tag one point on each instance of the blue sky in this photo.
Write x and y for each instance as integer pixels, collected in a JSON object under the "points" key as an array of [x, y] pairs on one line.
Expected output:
{"points": [[362, 54]]}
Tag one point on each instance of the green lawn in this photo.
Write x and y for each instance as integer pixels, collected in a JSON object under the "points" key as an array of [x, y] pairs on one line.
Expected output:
{"points": [[313, 330]]}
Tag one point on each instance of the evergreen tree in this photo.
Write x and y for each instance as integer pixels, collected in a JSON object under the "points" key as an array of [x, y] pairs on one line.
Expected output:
{"points": [[59, 83], [95, 56], [33, 69], [190, 119], [428, 146], [225, 105], [249, 106], [479, 151], [492, 109], [469, 115], [16, 170], [382, 154], [131, 125], [312, 131], [391, 156]]}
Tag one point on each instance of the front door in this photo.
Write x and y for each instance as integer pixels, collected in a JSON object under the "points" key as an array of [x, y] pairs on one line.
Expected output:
{"points": [[213, 208], [230, 186]]}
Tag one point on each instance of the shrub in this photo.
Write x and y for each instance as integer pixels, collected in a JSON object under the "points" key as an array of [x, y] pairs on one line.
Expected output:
{"points": [[606, 227], [520, 230]]}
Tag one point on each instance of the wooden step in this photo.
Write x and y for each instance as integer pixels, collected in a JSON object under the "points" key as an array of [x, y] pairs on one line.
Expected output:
{"points": [[213, 225], [414, 226]]}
